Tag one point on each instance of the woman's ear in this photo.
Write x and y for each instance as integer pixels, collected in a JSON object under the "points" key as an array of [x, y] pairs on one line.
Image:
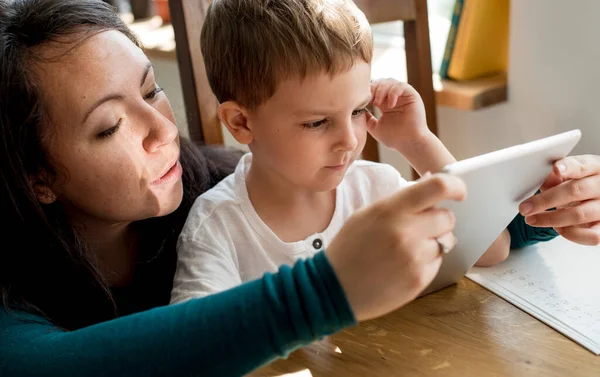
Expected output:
{"points": [[43, 192], [234, 117]]}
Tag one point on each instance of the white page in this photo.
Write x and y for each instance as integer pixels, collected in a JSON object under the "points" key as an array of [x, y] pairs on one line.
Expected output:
{"points": [[557, 282]]}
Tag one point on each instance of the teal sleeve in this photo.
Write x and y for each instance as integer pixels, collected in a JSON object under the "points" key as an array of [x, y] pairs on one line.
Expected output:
{"points": [[522, 235], [227, 334]]}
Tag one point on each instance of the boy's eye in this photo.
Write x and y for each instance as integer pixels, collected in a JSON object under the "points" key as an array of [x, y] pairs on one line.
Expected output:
{"points": [[359, 112], [319, 123], [316, 124]]}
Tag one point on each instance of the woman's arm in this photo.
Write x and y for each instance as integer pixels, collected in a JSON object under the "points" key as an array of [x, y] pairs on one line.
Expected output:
{"points": [[227, 334], [522, 235], [234, 332]]}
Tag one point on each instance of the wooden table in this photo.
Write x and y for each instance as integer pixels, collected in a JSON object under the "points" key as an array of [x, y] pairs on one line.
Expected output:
{"points": [[463, 330]]}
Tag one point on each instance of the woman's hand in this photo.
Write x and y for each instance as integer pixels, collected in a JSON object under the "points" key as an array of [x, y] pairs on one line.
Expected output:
{"points": [[386, 254], [573, 189]]}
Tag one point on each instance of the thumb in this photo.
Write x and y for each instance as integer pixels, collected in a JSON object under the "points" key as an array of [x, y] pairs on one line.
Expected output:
{"points": [[372, 121]]}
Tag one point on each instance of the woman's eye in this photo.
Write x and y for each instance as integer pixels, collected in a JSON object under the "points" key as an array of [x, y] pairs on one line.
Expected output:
{"points": [[107, 133], [153, 93]]}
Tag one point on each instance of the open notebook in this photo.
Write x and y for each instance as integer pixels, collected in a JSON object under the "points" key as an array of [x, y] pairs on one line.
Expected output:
{"points": [[558, 282]]}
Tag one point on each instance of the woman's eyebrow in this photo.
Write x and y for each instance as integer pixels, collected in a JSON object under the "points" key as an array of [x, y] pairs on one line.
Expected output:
{"points": [[149, 66], [114, 96]]}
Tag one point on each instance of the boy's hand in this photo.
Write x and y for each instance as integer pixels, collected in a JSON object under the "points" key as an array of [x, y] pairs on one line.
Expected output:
{"points": [[403, 126], [403, 117]]}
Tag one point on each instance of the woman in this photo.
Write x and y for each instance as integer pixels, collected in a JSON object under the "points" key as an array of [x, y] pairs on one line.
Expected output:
{"points": [[95, 188]]}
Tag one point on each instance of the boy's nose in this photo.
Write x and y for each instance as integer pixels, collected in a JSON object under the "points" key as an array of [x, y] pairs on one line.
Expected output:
{"points": [[347, 138]]}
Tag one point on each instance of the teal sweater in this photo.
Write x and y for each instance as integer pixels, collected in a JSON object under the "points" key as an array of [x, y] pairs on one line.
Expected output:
{"points": [[227, 334]]}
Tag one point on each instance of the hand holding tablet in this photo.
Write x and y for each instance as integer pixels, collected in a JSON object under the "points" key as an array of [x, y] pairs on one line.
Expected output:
{"points": [[497, 183]]}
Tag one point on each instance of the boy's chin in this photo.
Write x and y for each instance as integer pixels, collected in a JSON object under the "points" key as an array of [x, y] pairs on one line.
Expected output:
{"points": [[329, 184]]}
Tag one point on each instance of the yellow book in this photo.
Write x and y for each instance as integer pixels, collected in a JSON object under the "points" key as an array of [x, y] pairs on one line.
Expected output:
{"points": [[481, 46]]}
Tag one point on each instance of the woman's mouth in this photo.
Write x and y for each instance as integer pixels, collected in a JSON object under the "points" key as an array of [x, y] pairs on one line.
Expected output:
{"points": [[173, 174]]}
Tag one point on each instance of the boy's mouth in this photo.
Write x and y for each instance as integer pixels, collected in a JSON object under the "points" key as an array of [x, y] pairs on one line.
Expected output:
{"points": [[338, 166]]}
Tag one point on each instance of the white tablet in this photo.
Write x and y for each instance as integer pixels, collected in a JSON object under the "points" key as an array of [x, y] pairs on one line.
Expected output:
{"points": [[497, 183]]}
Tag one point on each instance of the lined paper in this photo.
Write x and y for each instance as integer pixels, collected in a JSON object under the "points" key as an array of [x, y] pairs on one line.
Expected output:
{"points": [[558, 282]]}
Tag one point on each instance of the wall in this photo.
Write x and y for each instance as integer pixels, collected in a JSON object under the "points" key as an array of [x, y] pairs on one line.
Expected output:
{"points": [[553, 82]]}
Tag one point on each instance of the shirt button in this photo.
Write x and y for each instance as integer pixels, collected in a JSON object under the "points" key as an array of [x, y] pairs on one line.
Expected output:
{"points": [[317, 243]]}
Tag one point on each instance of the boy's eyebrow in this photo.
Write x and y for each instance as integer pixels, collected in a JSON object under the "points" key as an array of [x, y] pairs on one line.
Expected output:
{"points": [[362, 104], [366, 102]]}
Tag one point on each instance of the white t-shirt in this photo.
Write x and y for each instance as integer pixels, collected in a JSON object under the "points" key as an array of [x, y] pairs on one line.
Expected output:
{"points": [[225, 243]]}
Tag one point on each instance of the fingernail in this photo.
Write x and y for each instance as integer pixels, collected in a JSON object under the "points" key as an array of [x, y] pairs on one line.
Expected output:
{"points": [[531, 220], [562, 168], [526, 208]]}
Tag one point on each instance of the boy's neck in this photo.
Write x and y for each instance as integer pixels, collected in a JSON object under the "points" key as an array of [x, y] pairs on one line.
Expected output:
{"points": [[292, 213]]}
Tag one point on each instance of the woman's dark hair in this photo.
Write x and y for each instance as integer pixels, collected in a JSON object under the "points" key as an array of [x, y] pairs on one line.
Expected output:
{"points": [[45, 265]]}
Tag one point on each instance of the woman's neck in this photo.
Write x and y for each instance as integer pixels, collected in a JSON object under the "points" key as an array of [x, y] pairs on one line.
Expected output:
{"points": [[115, 246]]}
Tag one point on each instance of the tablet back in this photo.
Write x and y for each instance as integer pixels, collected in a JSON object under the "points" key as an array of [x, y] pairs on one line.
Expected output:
{"points": [[497, 183]]}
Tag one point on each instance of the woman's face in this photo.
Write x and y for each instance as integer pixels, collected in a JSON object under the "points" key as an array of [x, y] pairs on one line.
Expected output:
{"points": [[111, 133]]}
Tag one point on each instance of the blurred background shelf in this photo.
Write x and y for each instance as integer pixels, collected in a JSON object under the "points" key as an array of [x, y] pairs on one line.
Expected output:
{"points": [[158, 40]]}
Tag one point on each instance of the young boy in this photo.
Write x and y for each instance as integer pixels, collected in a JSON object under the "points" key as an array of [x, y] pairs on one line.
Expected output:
{"points": [[293, 78]]}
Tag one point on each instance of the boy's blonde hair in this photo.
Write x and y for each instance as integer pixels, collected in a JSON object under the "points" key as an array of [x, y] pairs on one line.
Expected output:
{"points": [[249, 46]]}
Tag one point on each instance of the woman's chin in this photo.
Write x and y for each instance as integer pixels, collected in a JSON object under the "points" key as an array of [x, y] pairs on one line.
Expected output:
{"points": [[169, 202]]}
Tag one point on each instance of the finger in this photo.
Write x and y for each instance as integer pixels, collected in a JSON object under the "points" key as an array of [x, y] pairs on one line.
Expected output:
{"points": [[374, 85], [447, 239], [392, 99], [586, 212], [575, 167], [427, 192], [381, 92], [551, 181], [372, 121], [589, 235], [433, 223], [403, 89], [430, 249], [562, 195]]}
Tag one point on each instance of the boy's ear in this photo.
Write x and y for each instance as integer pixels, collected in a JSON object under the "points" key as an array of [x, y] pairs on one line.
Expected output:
{"points": [[234, 117], [43, 192]]}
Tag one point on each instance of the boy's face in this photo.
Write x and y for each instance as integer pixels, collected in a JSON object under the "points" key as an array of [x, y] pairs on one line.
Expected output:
{"points": [[310, 131]]}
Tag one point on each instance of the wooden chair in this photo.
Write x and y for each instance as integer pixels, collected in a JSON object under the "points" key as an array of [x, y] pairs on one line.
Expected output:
{"points": [[187, 18], [201, 105], [419, 72]]}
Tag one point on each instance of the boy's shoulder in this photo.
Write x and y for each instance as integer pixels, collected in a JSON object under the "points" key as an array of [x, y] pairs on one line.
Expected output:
{"points": [[221, 204]]}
